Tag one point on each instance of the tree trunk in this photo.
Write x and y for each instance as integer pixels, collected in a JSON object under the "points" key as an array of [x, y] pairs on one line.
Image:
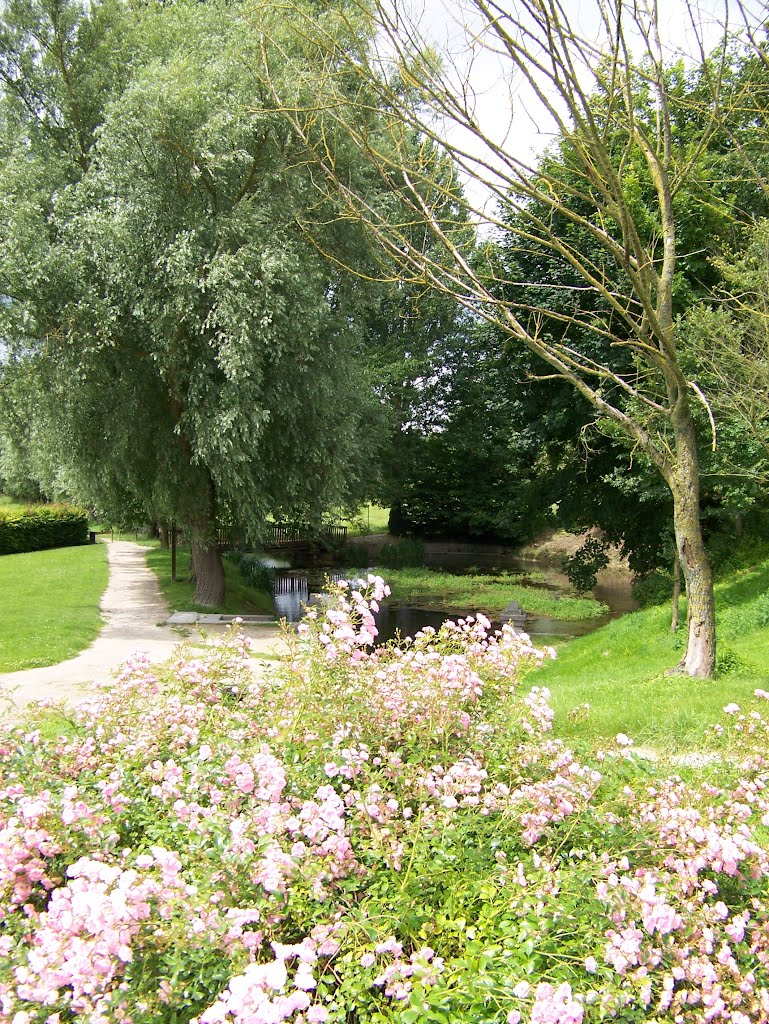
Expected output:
{"points": [[204, 548], [198, 521], [209, 574], [152, 531], [163, 532], [700, 657], [676, 591]]}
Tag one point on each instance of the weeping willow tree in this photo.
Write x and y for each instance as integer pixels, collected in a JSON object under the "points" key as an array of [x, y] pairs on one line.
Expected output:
{"points": [[187, 352]]}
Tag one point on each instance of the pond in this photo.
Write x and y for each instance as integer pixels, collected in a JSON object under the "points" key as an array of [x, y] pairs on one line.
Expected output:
{"points": [[293, 588]]}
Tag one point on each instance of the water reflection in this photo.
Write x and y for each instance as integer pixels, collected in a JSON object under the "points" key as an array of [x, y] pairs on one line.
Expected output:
{"points": [[289, 594], [292, 591], [404, 620]]}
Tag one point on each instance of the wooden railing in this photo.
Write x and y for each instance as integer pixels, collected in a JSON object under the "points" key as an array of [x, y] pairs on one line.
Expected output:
{"points": [[229, 539], [282, 535]]}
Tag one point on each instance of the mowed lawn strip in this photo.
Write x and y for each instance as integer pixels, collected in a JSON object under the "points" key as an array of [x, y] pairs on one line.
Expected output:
{"points": [[49, 604], [617, 679]]}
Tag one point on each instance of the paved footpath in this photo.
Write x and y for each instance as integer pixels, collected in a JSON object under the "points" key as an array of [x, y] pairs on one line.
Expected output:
{"points": [[135, 615]]}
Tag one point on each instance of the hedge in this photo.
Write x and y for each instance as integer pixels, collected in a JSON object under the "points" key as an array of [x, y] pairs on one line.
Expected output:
{"points": [[34, 527]]}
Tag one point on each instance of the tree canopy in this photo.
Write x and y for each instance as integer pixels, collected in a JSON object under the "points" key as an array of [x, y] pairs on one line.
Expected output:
{"points": [[632, 140], [195, 353], [209, 211]]}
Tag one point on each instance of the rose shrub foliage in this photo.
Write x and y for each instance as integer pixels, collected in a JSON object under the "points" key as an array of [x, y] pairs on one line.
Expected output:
{"points": [[369, 835]]}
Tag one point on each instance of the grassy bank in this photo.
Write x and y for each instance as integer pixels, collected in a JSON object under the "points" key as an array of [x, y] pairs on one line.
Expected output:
{"points": [[240, 599], [615, 680], [49, 604], [488, 593]]}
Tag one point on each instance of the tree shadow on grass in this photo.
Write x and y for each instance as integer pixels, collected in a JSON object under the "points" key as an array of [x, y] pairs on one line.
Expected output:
{"points": [[745, 589]]}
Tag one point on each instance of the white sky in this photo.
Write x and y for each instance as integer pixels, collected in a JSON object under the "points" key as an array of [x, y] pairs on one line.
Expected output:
{"points": [[509, 110]]}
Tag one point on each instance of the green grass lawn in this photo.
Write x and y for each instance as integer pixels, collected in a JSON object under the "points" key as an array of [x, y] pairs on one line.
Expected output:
{"points": [[615, 680], [488, 593], [239, 598], [49, 604], [369, 519]]}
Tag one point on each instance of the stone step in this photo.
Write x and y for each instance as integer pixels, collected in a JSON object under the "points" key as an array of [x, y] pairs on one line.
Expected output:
{"points": [[202, 619]]}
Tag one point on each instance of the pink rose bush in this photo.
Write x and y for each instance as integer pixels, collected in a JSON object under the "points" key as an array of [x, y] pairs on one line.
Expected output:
{"points": [[367, 835]]}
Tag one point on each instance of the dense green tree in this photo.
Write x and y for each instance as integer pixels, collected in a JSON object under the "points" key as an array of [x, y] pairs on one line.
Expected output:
{"points": [[463, 471], [728, 341], [196, 354], [410, 336], [29, 468]]}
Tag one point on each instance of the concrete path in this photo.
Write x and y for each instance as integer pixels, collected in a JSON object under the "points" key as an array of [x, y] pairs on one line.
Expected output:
{"points": [[135, 615]]}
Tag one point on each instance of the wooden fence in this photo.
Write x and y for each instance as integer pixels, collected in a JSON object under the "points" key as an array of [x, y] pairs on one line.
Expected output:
{"points": [[282, 535]]}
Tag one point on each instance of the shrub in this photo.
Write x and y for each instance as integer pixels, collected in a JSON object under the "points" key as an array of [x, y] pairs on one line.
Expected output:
{"points": [[35, 527], [382, 836], [253, 570], [354, 553], [653, 588], [729, 553], [397, 522], [407, 551]]}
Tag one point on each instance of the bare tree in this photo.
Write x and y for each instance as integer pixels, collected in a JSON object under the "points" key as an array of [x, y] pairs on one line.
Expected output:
{"points": [[609, 99]]}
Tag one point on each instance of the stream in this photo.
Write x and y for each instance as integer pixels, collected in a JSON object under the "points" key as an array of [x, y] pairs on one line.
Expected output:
{"points": [[293, 587]]}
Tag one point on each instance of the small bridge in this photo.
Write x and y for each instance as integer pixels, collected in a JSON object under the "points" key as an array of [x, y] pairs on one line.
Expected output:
{"points": [[280, 536], [283, 536]]}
